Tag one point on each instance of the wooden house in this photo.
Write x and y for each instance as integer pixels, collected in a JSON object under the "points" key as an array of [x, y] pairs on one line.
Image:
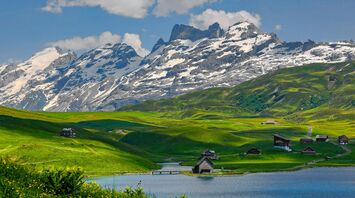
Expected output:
{"points": [[281, 142], [253, 151], [67, 132], [306, 140], [270, 122], [309, 151], [209, 154], [322, 138], [204, 165], [343, 139]]}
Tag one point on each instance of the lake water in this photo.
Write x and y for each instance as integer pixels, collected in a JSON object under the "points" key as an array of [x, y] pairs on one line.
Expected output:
{"points": [[315, 182]]}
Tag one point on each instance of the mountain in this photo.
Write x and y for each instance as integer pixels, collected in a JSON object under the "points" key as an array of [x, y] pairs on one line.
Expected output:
{"points": [[278, 93], [111, 76]]}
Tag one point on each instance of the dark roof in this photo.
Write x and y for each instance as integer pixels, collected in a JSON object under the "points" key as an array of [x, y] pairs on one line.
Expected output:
{"points": [[321, 136], [253, 150], [308, 149], [344, 137], [204, 159], [279, 136]]}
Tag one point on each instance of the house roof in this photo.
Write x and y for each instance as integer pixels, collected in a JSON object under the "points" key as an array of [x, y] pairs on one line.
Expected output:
{"points": [[279, 136], [253, 149], [204, 159], [308, 149], [322, 136], [343, 137]]}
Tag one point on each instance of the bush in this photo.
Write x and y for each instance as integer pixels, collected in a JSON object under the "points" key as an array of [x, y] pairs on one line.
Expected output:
{"points": [[24, 181]]}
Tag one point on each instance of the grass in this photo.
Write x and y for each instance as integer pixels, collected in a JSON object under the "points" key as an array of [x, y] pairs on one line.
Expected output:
{"points": [[226, 120], [158, 137]]}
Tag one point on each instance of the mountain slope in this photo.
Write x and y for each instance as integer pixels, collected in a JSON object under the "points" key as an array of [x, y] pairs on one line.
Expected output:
{"points": [[281, 92], [111, 76]]}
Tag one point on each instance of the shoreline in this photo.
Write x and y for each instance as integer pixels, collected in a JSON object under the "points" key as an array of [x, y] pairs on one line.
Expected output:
{"points": [[230, 174]]}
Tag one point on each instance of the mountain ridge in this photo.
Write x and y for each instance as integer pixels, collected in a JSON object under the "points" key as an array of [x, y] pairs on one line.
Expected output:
{"points": [[113, 75]]}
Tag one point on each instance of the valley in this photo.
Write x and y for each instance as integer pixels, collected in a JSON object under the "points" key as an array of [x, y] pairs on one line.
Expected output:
{"points": [[136, 138]]}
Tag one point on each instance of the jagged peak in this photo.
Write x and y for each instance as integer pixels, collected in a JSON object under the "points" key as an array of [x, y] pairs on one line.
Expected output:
{"points": [[181, 31], [158, 44]]}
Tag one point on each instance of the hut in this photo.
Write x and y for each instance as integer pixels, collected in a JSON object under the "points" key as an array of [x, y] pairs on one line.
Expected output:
{"points": [[309, 151], [270, 122], [67, 132], [322, 138], [306, 140], [209, 154], [281, 142], [343, 139], [253, 151], [204, 165]]}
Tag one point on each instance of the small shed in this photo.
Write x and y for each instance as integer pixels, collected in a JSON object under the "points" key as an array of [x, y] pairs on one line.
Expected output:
{"points": [[322, 138], [306, 141], [204, 165], [281, 142], [253, 151], [67, 132], [309, 151], [209, 154], [270, 122], [343, 139]]}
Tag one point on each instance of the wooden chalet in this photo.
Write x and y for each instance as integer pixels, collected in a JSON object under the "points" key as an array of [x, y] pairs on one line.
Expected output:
{"points": [[209, 154], [306, 141], [270, 122], [281, 142], [343, 139], [322, 138], [204, 165], [67, 132], [253, 151], [308, 151]]}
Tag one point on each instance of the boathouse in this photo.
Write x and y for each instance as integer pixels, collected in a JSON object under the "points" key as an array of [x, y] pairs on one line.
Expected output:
{"points": [[253, 151], [205, 165], [306, 141], [67, 132], [210, 154], [343, 139], [322, 138], [309, 151], [281, 142]]}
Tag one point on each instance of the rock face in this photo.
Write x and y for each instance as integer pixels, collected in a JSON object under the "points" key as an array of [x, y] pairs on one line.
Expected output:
{"points": [[114, 75]]}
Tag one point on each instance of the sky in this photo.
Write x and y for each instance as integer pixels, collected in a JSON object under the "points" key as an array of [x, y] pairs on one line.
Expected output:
{"points": [[79, 25]]}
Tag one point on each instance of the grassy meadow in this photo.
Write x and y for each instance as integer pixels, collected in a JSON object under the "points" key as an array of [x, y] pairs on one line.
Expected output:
{"points": [[148, 138], [227, 120]]}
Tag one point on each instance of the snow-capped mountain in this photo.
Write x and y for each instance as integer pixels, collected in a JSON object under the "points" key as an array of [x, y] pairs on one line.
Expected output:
{"points": [[114, 75]]}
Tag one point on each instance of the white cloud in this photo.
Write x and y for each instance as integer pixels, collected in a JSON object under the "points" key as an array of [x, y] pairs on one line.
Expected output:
{"points": [[225, 19], [80, 43], [129, 8], [85, 43], [278, 27], [165, 7], [134, 40]]}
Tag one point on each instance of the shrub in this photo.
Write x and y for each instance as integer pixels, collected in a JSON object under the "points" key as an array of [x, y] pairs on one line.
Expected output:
{"points": [[18, 180]]}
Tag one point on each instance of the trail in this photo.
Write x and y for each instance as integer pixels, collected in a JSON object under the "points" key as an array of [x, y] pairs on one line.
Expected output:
{"points": [[347, 152]]}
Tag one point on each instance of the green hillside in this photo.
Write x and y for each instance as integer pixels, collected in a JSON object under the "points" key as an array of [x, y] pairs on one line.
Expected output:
{"points": [[280, 93], [227, 120]]}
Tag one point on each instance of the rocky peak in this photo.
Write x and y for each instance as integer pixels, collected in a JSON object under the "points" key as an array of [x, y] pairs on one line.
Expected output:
{"points": [[157, 45], [243, 30], [188, 32]]}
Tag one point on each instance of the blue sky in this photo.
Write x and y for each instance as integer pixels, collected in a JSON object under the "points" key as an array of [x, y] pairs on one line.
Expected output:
{"points": [[28, 26]]}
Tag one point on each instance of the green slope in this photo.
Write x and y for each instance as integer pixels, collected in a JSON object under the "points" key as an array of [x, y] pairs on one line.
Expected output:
{"points": [[283, 92], [226, 120]]}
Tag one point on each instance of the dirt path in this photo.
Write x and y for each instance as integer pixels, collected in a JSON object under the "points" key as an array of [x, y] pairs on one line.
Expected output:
{"points": [[347, 152]]}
